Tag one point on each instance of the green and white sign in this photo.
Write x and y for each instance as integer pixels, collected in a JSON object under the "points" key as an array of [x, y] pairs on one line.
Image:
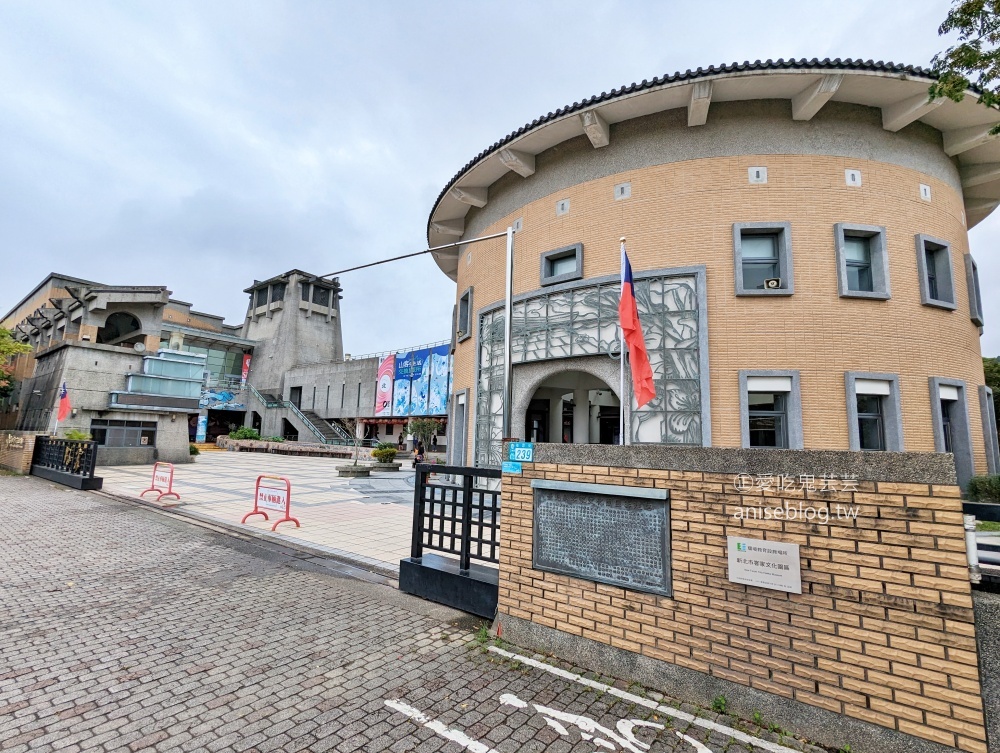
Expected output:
{"points": [[765, 564]]}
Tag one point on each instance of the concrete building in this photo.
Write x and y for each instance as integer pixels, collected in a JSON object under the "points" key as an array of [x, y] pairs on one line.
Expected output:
{"points": [[147, 374], [798, 232]]}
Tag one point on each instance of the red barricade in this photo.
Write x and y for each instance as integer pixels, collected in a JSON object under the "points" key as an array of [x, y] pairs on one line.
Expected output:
{"points": [[163, 476], [277, 498]]}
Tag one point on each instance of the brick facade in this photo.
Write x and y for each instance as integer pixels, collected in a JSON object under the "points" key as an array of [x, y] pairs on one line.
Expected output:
{"points": [[883, 632], [682, 214], [16, 450]]}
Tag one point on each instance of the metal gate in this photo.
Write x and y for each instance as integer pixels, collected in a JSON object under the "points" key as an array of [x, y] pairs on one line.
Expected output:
{"points": [[456, 511]]}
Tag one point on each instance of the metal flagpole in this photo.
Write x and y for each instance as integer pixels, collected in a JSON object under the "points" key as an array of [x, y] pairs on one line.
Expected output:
{"points": [[508, 365], [623, 398]]}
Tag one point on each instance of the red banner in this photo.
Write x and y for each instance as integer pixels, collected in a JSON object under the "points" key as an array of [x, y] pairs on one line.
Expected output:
{"points": [[246, 369]]}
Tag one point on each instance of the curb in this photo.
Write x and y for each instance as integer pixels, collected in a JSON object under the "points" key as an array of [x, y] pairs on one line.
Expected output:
{"points": [[237, 531]]}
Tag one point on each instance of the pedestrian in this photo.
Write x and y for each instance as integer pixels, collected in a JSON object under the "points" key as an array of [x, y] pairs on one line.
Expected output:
{"points": [[420, 452], [401, 442], [434, 442]]}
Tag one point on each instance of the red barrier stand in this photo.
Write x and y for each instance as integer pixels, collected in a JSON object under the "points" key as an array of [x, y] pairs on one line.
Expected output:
{"points": [[273, 498], [163, 476]]}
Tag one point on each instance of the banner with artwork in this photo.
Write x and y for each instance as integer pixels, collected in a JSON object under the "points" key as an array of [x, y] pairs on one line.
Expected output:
{"points": [[383, 387], [408, 368], [440, 380]]}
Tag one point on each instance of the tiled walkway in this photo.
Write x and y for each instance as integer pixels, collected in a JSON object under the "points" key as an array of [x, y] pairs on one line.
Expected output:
{"points": [[365, 520]]}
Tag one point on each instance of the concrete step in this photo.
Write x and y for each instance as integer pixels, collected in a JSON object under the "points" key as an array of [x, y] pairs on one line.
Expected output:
{"points": [[207, 447]]}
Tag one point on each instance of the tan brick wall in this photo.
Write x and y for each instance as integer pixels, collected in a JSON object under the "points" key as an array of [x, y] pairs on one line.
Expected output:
{"points": [[682, 214], [883, 631], [16, 449]]}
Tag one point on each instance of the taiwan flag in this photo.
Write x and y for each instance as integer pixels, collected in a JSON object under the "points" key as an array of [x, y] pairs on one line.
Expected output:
{"points": [[628, 315], [64, 405]]}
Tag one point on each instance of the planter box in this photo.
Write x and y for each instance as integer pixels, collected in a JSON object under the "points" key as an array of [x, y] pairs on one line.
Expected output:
{"points": [[386, 466], [354, 471]]}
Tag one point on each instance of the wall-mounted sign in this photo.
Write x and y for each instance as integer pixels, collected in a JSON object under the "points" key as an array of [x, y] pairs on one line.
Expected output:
{"points": [[765, 564], [383, 388], [509, 466], [523, 452]]}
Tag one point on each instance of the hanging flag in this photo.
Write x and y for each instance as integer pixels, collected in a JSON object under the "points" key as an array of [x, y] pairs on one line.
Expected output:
{"points": [[64, 405], [628, 316]]}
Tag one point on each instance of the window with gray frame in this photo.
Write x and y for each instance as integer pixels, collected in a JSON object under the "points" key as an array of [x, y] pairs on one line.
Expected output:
{"points": [[975, 296], [763, 258], [562, 264], [321, 296], [770, 409], [278, 291], [862, 261], [934, 266], [987, 410], [950, 422], [463, 325], [874, 415]]}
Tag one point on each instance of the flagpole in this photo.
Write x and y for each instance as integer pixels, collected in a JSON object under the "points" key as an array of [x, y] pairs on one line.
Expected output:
{"points": [[621, 364]]}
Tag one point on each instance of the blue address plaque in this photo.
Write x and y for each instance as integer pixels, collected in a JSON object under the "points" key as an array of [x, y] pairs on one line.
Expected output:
{"points": [[521, 452]]}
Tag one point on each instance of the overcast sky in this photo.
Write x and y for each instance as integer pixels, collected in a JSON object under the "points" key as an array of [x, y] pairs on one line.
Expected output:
{"points": [[201, 145]]}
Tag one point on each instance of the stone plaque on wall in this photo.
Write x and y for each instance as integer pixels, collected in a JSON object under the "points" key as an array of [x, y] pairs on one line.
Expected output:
{"points": [[617, 535]]}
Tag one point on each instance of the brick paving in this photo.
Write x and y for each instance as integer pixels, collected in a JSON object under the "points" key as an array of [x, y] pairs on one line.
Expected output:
{"points": [[122, 629]]}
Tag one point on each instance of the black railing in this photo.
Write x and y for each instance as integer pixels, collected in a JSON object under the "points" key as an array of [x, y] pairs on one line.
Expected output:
{"points": [[456, 517], [66, 455]]}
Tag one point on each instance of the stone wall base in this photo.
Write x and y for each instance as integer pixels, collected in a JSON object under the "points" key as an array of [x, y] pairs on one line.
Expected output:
{"points": [[818, 725]]}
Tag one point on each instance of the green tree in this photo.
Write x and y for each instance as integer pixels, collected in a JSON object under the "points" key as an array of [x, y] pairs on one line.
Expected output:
{"points": [[975, 59], [423, 429], [9, 348]]}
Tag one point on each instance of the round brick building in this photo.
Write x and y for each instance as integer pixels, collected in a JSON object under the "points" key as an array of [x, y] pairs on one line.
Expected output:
{"points": [[798, 232]]}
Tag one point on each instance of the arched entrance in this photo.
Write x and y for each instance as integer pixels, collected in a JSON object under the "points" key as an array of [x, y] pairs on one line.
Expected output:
{"points": [[573, 407]]}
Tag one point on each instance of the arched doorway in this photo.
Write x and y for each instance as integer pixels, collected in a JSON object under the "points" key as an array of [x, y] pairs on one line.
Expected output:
{"points": [[573, 407], [121, 328]]}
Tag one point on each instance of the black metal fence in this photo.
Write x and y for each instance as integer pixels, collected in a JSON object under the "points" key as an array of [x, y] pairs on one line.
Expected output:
{"points": [[66, 456], [455, 513]]}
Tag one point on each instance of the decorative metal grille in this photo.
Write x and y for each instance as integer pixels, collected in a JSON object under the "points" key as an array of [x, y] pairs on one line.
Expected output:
{"points": [[584, 322]]}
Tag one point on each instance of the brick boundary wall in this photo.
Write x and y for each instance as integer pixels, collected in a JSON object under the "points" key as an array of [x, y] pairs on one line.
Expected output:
{"points": [[13, 458], [883, 633]]}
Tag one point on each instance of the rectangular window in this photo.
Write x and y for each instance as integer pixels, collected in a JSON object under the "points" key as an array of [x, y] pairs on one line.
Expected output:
{"points": [[862, 261], [950, 422], [858, 254], [562, 264], [321, 296], [261, 297], [871, 433], [760, 260], [934, 265], [116, 433], [305, 288], [946, 433], [278, 291], [763, 258], [770, 409], [464, 314], [768, 419], [975, 295], [874, 414], [343, 391]]}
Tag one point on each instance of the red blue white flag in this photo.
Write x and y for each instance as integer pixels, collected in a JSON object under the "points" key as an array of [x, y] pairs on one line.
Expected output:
{"points": [[628, 316], [64, 404]]}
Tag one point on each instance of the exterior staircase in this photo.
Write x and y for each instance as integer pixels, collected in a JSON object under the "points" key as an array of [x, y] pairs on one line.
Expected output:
{"points": [[332, 433], [207, 447]]}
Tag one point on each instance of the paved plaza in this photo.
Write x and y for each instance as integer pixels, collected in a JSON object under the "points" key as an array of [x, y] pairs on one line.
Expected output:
{"points": [[127, 630], [365, 520]]}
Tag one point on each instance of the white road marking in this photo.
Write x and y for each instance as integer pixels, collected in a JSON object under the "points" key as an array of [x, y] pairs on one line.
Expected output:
{"points": [[432, 724], [697, 745], [743, 737]]}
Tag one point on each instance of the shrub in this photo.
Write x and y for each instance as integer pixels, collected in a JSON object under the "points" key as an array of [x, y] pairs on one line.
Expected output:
{"points": [[244, 432], [384, 452], [192, 450], [274, 439], [77, 436], [984, 489]]}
